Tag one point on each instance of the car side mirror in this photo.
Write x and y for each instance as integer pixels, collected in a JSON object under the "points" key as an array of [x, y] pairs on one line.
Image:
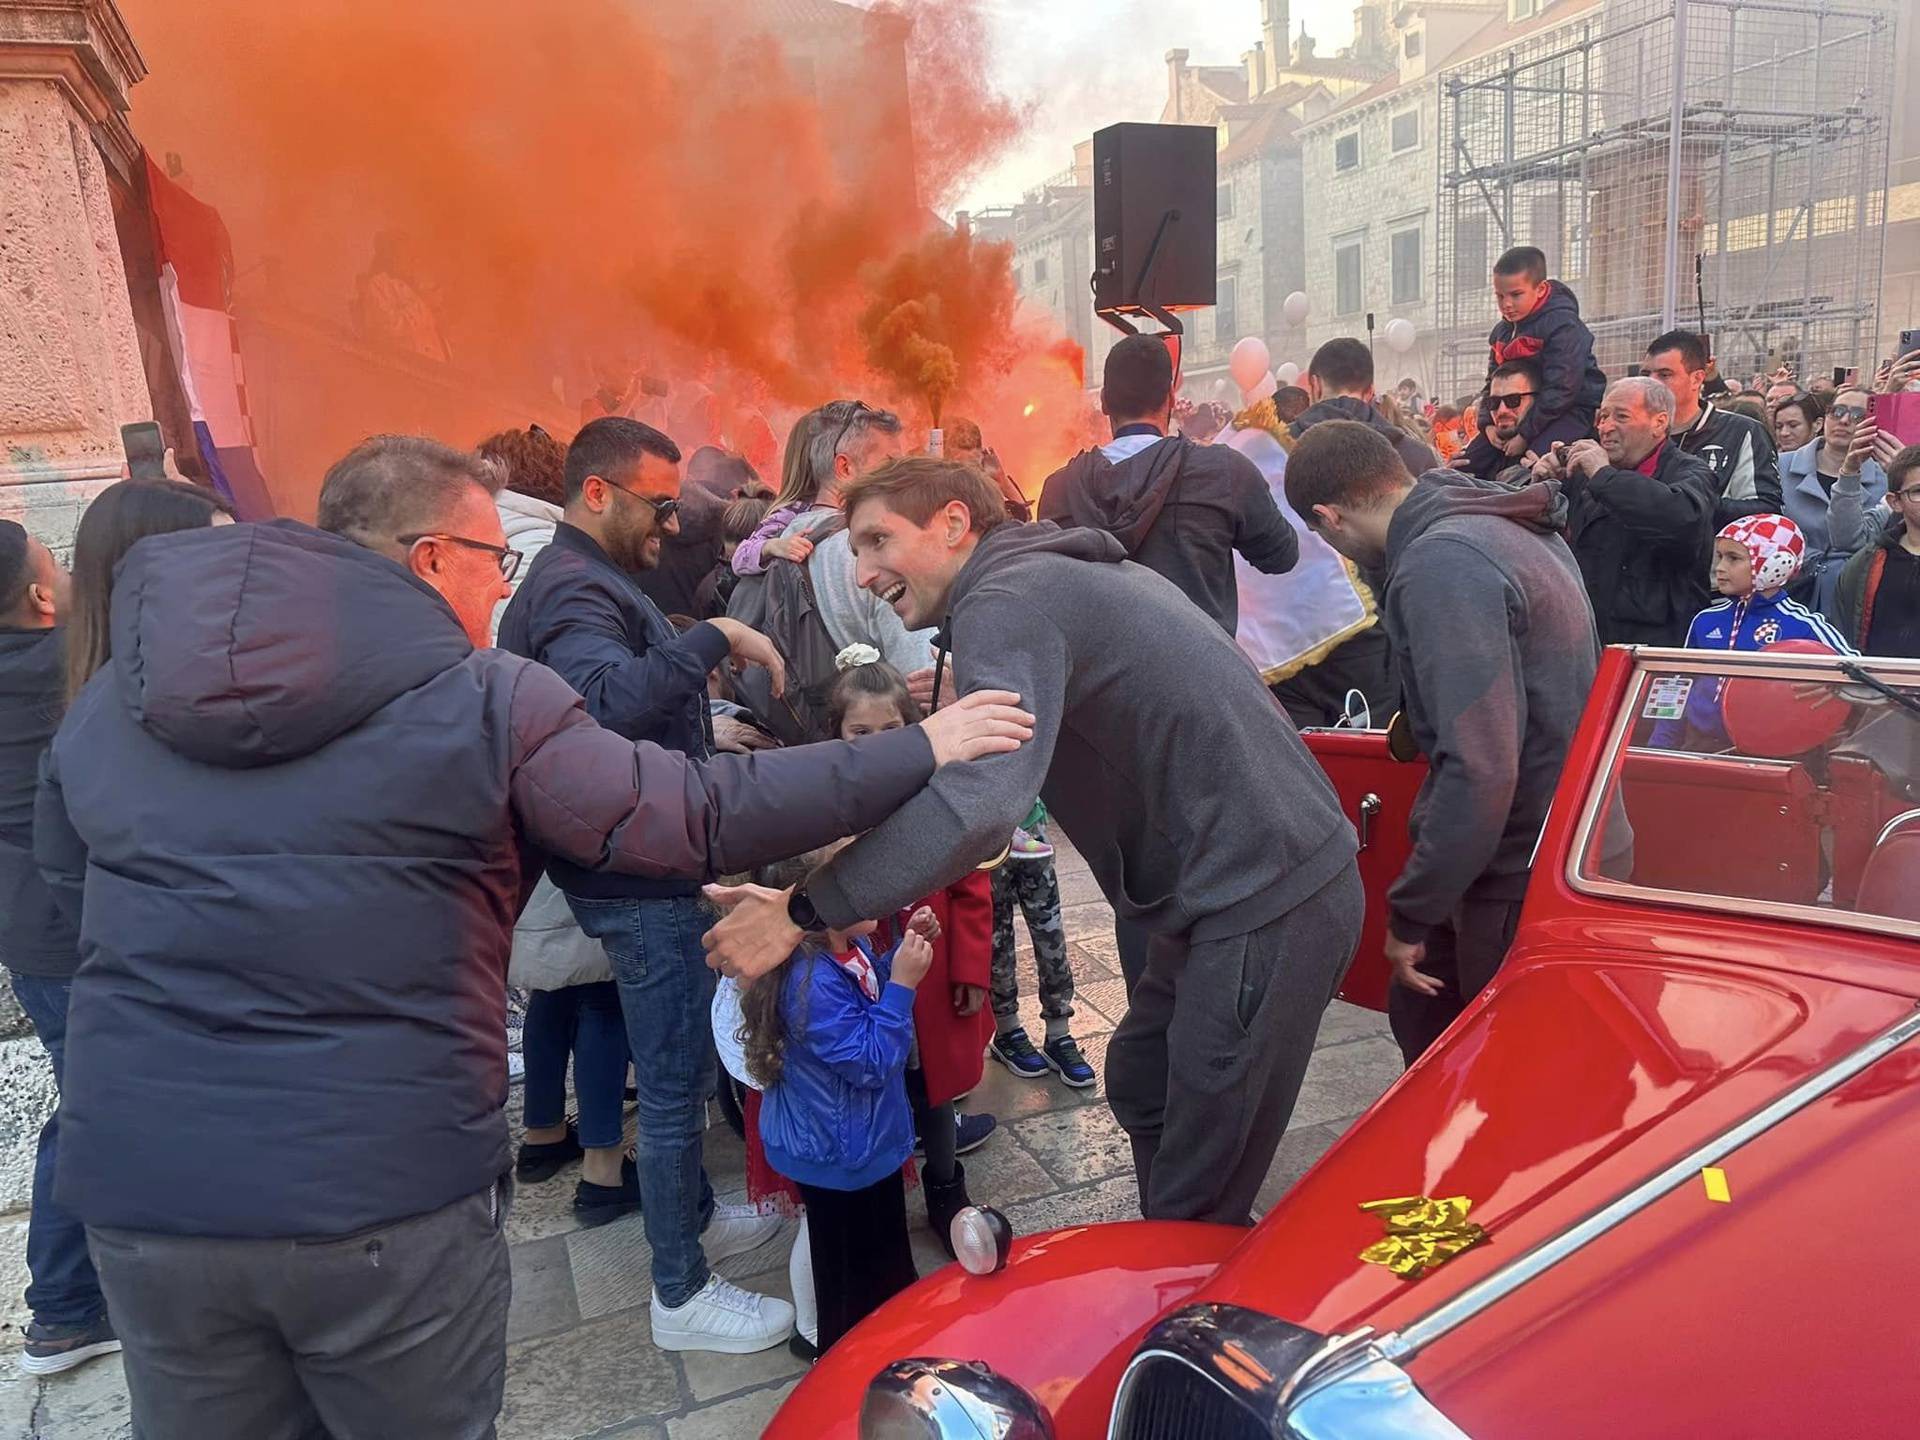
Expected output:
{"points": [[1400, 742]]}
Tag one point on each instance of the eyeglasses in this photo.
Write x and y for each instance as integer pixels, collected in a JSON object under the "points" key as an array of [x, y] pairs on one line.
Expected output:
{"points": [[1910, 495], [663, 509], [505, 556], [1509, 402], [1848, 412]]}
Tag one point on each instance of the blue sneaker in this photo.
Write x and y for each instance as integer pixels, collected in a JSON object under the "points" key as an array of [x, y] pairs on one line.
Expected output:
{"points": [[972, 1131], [1015, 1051], [1064, 1056]]}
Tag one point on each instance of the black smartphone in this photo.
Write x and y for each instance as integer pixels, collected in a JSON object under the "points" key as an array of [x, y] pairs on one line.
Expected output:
{"points": [[1840, 373], [1909, 342], [146, 450]]}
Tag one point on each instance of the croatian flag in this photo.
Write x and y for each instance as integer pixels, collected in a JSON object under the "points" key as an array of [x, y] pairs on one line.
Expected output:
{"points": [[196, 274]]}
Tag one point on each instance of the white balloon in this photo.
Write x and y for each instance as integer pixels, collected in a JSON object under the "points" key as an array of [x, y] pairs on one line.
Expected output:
{"points": [[1294, 308], [1399, 335], [1261, 391], [1248, 363], [1288, 373]]}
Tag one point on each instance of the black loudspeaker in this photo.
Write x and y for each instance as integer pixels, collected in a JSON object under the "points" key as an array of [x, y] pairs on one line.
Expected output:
{"points": [[1155, 245]]}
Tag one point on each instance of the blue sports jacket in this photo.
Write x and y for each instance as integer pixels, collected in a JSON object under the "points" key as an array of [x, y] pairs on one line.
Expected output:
{"points": [[838, 1118], [1750, 624]]}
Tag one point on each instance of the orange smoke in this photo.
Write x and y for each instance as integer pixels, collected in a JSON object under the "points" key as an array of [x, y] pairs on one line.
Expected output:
{"points": [[458, 215]]}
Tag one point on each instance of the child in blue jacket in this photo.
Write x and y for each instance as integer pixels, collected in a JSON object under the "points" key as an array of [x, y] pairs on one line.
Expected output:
{"points": [[1754, 558], [827, 1034]]}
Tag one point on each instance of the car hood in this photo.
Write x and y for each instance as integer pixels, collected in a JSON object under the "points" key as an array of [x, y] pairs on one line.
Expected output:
{"points": [[1573, 1083]]}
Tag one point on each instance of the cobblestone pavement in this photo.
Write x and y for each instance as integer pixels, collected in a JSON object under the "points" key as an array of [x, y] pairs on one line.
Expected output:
{"points": [[580, 1363]]}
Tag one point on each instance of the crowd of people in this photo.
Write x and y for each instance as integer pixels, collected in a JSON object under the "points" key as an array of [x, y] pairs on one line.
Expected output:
{"points": [[742, 786]]}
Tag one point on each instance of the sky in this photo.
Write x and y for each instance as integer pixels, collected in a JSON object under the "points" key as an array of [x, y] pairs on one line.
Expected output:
{"points": [[1082, 64]]}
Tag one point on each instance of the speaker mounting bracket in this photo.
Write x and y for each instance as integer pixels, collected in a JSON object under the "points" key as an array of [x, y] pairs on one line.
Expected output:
{"points": [[1148, 269]]}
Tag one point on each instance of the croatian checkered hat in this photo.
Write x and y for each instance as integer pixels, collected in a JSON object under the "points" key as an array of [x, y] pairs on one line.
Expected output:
{"points": [[1774, 544]]}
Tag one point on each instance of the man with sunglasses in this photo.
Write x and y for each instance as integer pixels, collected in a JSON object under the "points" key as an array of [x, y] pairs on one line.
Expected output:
{"points": [[581, 611], [1511, 391]]}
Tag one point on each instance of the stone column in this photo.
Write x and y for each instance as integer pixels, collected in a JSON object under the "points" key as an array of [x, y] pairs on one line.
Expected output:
{"points": [[70, 372]]}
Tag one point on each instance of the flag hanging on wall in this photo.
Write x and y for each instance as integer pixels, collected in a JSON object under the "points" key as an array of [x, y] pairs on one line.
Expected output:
{"points": [[196, 289]]}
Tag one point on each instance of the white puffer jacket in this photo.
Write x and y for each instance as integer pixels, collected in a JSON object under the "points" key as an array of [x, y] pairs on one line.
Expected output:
{"points": [[529, 525]]}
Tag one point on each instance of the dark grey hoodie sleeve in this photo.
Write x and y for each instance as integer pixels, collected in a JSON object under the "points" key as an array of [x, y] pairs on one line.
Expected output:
{"points": [[588, 796], [1451, 612], [968, 812]]}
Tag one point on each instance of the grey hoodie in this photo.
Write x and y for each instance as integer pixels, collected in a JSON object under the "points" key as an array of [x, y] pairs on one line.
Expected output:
{"points": [[1157, 748], [1495, 645]]}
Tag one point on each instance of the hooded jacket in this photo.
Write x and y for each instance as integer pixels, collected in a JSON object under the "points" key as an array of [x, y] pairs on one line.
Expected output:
{"points": [[1556, 339], [35, 938], [296, 800], [1418, 458], [1642, 542], [1156, 747], [1858, 594], [1181, 510], [1494, 642]]}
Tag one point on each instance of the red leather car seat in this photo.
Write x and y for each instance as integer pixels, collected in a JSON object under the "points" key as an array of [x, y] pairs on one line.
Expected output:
{"points": [[1890, 885]]}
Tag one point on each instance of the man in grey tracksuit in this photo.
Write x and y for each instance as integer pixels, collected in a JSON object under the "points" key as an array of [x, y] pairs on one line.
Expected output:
{"points": [[1493, 638], [1165, 759]]}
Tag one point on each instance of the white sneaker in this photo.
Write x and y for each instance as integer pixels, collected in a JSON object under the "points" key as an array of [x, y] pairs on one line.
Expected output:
{"points": [[736, 1229], [723, 1318]]}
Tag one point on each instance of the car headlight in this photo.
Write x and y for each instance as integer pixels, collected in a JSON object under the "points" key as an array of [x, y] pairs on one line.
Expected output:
{"points": [[949, 1400]]}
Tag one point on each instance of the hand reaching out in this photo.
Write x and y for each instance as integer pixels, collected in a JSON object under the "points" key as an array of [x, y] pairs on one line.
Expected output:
{"points": [[987, 722], [750, 647]]}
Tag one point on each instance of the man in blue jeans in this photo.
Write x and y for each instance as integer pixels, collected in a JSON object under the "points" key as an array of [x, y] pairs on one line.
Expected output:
{"points": [[580, 612], [38, 946]]}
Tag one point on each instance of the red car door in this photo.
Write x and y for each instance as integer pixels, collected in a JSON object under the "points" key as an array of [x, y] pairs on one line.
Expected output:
{"points": [[1377, 793]]}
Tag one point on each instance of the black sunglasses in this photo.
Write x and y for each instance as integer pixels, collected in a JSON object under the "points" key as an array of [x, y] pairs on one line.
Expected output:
{"points": [[860, 408], [1509, 402], [508, 558], [663, 510]]}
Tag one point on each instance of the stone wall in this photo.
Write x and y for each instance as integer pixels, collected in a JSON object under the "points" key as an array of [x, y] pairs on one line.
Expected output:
{"points": [[1385, 193]]}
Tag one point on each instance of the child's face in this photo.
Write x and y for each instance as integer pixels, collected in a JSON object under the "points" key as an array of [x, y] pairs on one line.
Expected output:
{"points": [[1516, 296], [869, 715], [1732, 569]]}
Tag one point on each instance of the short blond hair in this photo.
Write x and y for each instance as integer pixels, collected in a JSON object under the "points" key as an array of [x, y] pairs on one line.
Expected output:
{"points": [[919, 486]]}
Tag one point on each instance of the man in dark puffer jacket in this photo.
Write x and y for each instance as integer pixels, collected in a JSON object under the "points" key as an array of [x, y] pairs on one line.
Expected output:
{"points": [[1642, 516], [297, 798]]}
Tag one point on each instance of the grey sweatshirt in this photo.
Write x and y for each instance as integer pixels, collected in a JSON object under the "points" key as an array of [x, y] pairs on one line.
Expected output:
{"points": [[1494, 640], [1156, 747]]}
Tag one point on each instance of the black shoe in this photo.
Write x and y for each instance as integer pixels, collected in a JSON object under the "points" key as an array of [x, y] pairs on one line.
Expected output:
{"points": [[802, 1348], [54, 1348], [943, 1203], [544, 1161], [601, 1204]]}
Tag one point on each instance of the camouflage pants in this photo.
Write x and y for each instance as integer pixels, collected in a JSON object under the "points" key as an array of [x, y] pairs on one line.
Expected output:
{"points": [[1032, 886]]}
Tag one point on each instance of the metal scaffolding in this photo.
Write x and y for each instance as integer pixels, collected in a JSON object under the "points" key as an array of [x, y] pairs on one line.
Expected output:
{"points": [[1716, 164]]}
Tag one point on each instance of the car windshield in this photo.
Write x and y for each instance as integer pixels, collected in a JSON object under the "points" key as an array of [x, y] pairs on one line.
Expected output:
{"points": [[1790, 781]]}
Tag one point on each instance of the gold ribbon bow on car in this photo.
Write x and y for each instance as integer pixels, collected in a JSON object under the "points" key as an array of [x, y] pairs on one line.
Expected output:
{"points": [[1422, 1233]]}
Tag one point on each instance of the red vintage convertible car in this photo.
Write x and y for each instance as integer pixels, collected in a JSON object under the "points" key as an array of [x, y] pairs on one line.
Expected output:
{"points": [[1684, 1119]]}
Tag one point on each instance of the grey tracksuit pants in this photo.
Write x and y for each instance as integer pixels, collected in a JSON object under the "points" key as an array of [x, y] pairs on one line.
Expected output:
{"points": [[1204, 1071]]}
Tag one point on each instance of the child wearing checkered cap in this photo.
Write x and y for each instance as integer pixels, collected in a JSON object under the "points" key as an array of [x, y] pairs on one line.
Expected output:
{"points": [[1754, 559]]}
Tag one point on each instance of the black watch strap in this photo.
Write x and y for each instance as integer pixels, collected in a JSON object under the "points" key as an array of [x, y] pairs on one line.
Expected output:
{"points": [[800, 910]]}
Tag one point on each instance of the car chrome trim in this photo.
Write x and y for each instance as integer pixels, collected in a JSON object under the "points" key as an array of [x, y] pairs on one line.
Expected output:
{"points": [[957, 1400], [1411, 1339], [1895, 823], [1286, 1380], [1594, 807]]}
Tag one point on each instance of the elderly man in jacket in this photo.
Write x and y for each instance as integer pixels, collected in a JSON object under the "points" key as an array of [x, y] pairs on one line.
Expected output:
{"points": [[298, 799], [1641, 517]]}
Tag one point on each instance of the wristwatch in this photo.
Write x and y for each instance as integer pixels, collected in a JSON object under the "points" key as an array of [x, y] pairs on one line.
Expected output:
{"points": [[801, 912]]}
